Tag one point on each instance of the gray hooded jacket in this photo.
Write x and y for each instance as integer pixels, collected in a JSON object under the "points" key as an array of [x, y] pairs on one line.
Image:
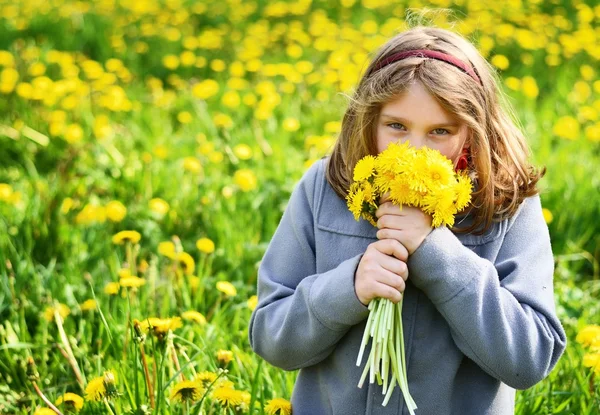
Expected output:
{"points": [[479, 316]]}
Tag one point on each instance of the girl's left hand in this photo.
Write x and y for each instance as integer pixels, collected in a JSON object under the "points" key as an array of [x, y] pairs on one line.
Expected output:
{"points": [[409, 225]]}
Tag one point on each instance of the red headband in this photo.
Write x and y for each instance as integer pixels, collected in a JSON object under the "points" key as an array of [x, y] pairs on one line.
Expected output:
{"points": [[433, 54]]}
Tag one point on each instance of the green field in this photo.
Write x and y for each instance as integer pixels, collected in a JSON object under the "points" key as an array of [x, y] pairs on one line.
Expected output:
{"points": [[188, 124]]}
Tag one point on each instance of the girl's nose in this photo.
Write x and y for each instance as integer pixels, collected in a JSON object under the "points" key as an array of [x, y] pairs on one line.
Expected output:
{"points": [[415, 140]]}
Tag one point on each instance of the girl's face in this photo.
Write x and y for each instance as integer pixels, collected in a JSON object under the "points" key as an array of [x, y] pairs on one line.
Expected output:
{"points": [[416, 116]]}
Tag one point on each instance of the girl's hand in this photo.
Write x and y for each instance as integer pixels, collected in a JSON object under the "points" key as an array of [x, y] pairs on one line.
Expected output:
{"points": [[381, 272], [409, 225]]}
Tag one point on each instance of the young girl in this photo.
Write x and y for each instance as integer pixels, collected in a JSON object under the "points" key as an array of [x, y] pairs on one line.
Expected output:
{"points": [[478, 309]]}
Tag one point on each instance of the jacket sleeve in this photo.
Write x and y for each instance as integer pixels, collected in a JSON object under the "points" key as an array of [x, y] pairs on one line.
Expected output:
{"points": [[301, 315], [502, 315]]}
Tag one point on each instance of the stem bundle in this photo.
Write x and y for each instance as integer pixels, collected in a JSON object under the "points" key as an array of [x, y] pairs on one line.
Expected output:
{"points": [[384, 327]]}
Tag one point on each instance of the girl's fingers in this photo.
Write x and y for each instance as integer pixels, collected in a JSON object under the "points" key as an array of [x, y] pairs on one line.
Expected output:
{"points": [[392, 247], [395, 266], [391, 279], [385, 291]]}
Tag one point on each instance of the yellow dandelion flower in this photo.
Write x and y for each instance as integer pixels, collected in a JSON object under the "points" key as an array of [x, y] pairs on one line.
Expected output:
{"points": [[529, 87], [158, 206], [567, 127], [62, 309], [224, 356], [242, 151], [95, 389], [132, 282], [278, 406], [245, 179], [438, 173], [192, 164], [88, 305], [124, 273], [112, 288], [44, 411], [71, 401], [394, 157], [589, 336], [252, 302], [364, 168], [355, 199], [187, 390], [194, 282], [441, 206], [160, 326], [205, 89], [227, 288], [194, 316], [224, 383], [167, 248], [500, 61], [186, 261], [124, 236], [205, 245], [206, 378], [227, 397], [548, 217], [592, 360], [291, 124], [401, 191], [463, 189], [143, 266], [115, 211]]}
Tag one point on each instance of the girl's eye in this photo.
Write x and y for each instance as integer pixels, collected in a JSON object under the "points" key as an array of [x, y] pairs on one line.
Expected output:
{"points": [[440, 131], [396, 123]]}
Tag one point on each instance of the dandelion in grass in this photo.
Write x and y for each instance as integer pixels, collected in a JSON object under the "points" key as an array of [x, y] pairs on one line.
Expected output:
{"points": [[186, 262], [592, 360], [62, 309], [112, 288], [205, 245], [132, 282], [70, 401], [159, 327], [126, 236], [102, 387], [589, 336], [252, 302], [194, 316], [88, 305], [187, 390], [167, 249], [206, 378], [227, 288], [44, 411], [194, 282], [225, 383], [143, 266], [228, 397], [224, 357], [124, 273], [278, 406]]}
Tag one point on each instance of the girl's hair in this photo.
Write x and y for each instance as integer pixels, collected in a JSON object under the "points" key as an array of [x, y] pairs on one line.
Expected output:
{"points": [[499, 153]]}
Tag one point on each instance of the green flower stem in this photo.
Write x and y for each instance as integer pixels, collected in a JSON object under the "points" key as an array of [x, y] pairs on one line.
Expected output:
{"points": [[387, 354]]}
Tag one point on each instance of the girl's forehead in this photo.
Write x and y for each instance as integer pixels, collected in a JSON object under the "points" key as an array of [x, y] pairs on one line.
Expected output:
{"points": [[416, 102]]}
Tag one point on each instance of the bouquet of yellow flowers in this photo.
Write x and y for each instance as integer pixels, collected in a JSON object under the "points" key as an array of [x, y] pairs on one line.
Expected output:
{"points": [[422, 178]]}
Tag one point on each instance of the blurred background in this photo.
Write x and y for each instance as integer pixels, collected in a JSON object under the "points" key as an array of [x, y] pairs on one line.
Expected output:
{"points": [[148, 149]]}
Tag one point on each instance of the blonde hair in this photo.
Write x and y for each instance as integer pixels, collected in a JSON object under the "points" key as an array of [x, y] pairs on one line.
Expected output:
{"points": [[499, 152]]}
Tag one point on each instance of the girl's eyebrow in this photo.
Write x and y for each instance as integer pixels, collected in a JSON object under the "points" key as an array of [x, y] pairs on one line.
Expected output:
{"points": [[405, 121]]}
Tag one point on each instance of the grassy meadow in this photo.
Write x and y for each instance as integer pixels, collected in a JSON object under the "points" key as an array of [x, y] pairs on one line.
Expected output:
{"points": [[148, 149]]}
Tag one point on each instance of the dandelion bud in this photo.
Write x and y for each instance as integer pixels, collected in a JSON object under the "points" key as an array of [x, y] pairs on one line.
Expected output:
{"points": [[32, 373]]}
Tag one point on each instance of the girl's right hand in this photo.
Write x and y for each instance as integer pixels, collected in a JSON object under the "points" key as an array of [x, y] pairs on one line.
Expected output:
{"points": [[382, 272]]}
